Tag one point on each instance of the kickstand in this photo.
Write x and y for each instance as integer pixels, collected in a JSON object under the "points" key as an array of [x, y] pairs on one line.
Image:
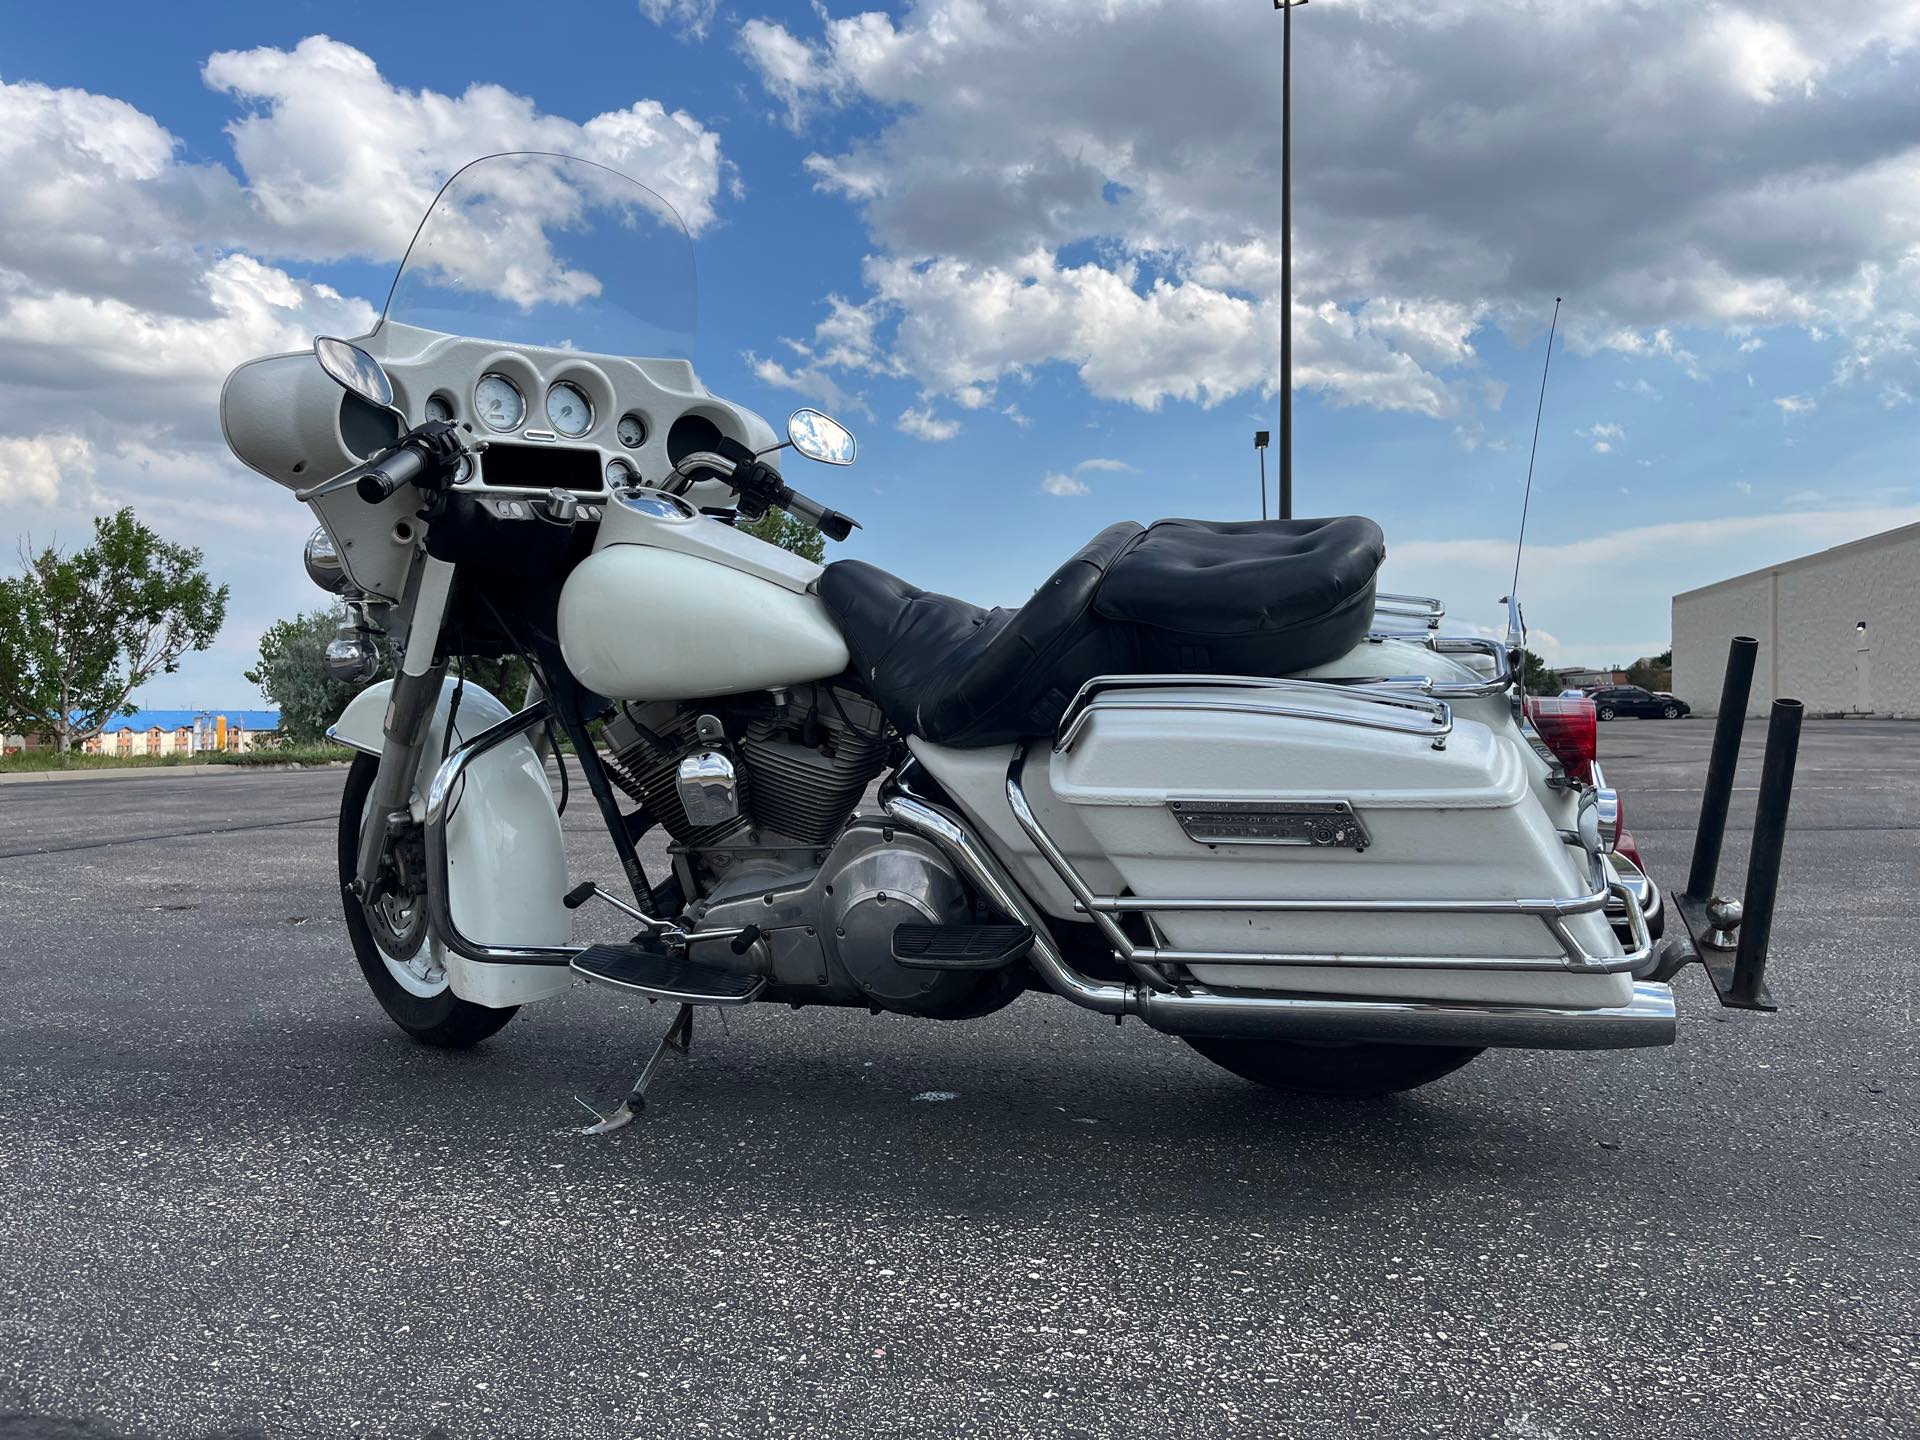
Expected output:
{"points": [[679, 1037]]}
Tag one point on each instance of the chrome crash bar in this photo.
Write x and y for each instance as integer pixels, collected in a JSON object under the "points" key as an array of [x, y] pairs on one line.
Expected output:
{"points": [[442, 800], [1647, 1019]]}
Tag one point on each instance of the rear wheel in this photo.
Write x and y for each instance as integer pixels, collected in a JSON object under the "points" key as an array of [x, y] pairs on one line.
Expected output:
{"points": [[1353, 1071], [1605, 712], [403, 965]]}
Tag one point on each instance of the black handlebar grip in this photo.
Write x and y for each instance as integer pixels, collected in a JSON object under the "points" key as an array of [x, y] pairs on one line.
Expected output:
{"points": [[830, 523], [401, 465]]}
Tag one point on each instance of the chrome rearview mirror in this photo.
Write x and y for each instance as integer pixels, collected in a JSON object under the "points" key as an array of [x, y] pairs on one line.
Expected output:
{"points": [[354, 370], [820, 437]]}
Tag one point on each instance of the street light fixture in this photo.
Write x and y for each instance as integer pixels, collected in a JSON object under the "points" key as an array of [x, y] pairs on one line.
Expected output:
{"points": [[1286, 7]]}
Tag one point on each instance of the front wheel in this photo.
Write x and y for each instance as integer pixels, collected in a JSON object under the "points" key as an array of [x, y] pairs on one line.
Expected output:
{"points": [[1672, 712], [1605, 712], [1355, 1071], [403, 966]]}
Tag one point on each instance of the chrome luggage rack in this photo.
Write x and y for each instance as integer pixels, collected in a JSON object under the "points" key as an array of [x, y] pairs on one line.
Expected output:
{"points": [[1390, 707], [1424, 608]]}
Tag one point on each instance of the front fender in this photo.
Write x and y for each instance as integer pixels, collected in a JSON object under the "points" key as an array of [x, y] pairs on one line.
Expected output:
{"points": [[506, 862]]}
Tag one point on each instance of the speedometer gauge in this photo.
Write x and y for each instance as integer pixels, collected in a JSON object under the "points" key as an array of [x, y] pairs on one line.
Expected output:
{"points": [[499, 402], [568, 410]]}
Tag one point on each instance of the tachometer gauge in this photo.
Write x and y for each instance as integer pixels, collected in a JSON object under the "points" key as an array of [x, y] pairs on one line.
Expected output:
{"points": [[438, 408], [499, 402], [632, 431], [568, 410]]}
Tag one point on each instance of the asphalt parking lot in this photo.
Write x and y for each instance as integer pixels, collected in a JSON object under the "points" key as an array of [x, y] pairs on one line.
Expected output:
{"points": [[235, 1201]]}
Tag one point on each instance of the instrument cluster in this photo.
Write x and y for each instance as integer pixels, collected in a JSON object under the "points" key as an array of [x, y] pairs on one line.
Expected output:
{"points": [[562, 419]]}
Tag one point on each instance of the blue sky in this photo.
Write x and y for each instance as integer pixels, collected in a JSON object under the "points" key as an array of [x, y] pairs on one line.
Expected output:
{"points": [[1027, 252]]}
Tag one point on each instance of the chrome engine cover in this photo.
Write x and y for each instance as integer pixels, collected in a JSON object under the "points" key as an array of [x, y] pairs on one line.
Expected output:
{"points": [[827, 936], [903, 882]]}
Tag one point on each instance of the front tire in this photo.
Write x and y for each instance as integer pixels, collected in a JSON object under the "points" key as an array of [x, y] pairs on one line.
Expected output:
{"points": [[1605, 712], [1359, 1071], [1672, 712], [429, 1012]]}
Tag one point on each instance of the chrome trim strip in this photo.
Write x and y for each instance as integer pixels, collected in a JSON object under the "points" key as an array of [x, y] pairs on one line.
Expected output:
{"points": [[439, 797]]}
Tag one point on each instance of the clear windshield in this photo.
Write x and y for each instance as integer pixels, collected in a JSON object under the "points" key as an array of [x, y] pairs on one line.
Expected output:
{"points": [[534, 249]]}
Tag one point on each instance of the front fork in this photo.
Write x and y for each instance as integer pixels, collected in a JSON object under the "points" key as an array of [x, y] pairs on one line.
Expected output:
{"points": [[410, 704]]}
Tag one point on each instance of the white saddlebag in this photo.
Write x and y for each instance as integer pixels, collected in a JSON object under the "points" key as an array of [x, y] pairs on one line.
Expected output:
{"points": [[1319, 793]]}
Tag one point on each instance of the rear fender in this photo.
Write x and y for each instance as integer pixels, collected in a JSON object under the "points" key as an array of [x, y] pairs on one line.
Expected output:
{"points": [[506, 863]]}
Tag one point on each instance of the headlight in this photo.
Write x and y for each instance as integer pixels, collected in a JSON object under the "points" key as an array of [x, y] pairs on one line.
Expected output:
{"points": [[323, 563]]}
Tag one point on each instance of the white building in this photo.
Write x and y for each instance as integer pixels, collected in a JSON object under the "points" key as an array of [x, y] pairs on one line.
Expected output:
{"points": [[1838, 630]]}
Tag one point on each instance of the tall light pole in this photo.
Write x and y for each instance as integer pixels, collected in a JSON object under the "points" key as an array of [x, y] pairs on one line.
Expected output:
{"points": [[1286, 8]]}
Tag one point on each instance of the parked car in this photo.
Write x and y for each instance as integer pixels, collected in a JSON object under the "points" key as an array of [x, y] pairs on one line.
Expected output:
{"points": [[1612, 701]]}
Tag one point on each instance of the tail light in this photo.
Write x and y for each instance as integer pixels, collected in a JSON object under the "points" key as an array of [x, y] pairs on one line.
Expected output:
{"points": [[1630, 848], [1571, 731]]}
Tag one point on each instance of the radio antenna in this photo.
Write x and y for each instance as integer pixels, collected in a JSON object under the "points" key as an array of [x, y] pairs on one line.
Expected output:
{"points": [[1526, 502]]}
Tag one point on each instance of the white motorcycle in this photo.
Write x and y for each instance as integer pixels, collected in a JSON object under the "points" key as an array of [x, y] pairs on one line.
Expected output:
{"points": [[1207, 776]]}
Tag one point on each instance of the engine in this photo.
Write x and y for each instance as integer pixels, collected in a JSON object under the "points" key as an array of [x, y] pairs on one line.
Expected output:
{"points": [[801, 759]]}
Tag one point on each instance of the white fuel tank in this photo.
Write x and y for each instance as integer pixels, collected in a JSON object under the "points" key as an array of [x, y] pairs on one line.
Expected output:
{"points": [[642, 622]]}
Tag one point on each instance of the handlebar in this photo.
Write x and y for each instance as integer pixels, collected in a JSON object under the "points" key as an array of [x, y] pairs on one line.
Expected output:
{"points": [[399, 466], [759, 485], [425, 456], [830, 523]]}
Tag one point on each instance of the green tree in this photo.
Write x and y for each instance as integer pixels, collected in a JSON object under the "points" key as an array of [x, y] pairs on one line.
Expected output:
{"points": [[777, 527], [80, 633], [1652, 672], [292, 673], [1536, 677]]}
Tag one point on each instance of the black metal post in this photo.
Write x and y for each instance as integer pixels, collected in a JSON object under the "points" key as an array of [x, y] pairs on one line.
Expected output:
{"points": [[1727, 730], [1763, 863], [1286, 260]]}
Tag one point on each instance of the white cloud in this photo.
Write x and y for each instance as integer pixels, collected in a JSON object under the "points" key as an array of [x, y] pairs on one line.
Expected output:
{"points": [[132, 280], [920, 422], [1603, 435], [691, 18], [37, 468], [1058, 484], [1794, 404], [1098, 463], [1029, 199], [809, 380], [342, 162]]}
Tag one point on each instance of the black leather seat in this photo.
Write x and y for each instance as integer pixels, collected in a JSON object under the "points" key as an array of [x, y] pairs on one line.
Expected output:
{"points": [[1253, 597]]}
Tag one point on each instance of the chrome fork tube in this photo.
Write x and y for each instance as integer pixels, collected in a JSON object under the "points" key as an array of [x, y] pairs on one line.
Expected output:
{"points": [[409, 707]]}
